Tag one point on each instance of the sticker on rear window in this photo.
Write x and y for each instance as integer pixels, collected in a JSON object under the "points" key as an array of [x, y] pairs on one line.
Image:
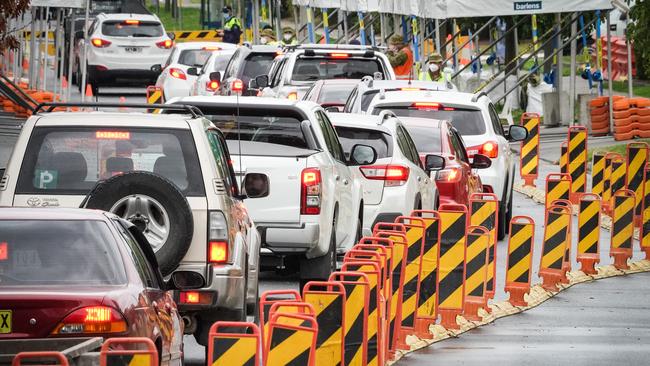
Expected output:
{"points": [[45, 179]]}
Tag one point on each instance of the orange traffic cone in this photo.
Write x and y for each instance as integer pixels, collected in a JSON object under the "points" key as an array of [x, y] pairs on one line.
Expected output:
{"points": [[122, 101], [89, 91], [64, 82]]}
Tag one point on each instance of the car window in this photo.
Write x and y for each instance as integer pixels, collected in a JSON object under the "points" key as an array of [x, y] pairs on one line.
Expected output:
{"points": [[170, 58], [93, 27], [70, 160], [468, 122], [194, 58], [277, 76], [331, 139], [426, 139], [496, 121], [321, 68], [221, 60], [367, 98], [380, 141], [403, 143], [256, 64], [458, 146], [334, 93], [43, 252], [130, 28], [232, 65], [146, 272], [352, 98], [415, 156], [219, 150]]}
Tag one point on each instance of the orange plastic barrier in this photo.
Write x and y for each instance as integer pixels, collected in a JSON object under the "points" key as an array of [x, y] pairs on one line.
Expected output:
{"points": [[128, 350], [58, 356], [619, 59], [631, 118]]}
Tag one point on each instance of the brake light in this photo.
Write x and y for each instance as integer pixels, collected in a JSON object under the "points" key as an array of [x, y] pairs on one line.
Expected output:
{"points": [[189, 297], [449, 175], [410, 89], [132, 22], [100, 43], [489, 149], [112, 135], [4, 251], [339, 55], [237, 86], [392, 175], [292, 96], [177, 73], [218, 252], [211, 48], [92, 319], [310, 192], [167, 44], [212, 85]]}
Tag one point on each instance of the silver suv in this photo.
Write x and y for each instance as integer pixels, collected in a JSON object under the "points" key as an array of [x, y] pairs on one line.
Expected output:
{"points": [[170, 175]]}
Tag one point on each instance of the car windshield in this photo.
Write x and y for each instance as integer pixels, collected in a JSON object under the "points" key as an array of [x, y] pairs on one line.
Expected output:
{"points": [[193, 57], [131, 28], [335, 93], [72, 160], [380, 141], [427, 140], [80, 253], [468, 122], [265, 128], [256, 64], [322, 68]]}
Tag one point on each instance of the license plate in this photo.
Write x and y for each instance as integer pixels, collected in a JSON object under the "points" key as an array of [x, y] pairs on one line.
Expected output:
{"points": [[5, 321], [132, 49]]}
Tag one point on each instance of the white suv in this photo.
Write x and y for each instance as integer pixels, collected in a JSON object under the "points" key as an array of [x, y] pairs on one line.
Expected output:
{"points": [[123, 46], [477, 121], [396, 183], [314, 210], [170, 175]]}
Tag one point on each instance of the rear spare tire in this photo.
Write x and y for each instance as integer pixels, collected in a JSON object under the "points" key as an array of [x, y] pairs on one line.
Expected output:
{"points": [[153, 204]]}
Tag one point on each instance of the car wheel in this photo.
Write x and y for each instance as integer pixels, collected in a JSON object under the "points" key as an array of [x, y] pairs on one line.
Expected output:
{"points": [[320, 268], [155, 206], [358, 235], [501, 226]]}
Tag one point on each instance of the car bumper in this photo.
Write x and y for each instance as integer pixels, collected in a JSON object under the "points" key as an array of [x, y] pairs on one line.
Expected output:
{"points": [[100, 73], [289, 238], [173, 88], [224, 283]]}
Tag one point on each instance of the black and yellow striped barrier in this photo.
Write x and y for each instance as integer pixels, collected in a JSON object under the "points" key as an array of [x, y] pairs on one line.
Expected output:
{"points": [[520, 259], [154, 95], [376, 304], [577, 161], [328, 301], [558, 187], [484, 211], [564, 168], [589, 232], [196, 35], [292, 340], [427, 311], [451, 275], [129, 351], [267, 299], [607, 180], [556, 235], [566, 264], [357, 299], [598, 173], [476, 270], [239, 345], [415, 237], [622, 227], [529, 157], [616, 179], [645, 224], [637, 158]]}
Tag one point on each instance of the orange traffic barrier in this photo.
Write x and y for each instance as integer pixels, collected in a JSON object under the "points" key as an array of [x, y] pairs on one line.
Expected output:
{"points": [[644, 242], [599, 115], [477, 248], [58, 356], [266, 301], [558, 187], [231, 348], [291, 340], [619, 59], [328, 301], [589, 232], [622, 227], [128, 350], [519, 263], [566, 263], [557, 221]]}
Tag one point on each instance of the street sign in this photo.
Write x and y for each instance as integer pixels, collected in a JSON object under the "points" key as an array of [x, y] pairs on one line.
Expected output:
{"points": [[59, 3]]}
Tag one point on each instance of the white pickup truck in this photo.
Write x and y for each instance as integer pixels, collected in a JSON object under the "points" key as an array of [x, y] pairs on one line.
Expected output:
{"points": [[314, 210]]}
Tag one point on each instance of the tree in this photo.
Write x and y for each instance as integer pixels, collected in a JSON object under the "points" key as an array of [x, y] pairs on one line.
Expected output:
{"points": [[639, 32], [9, 10]]}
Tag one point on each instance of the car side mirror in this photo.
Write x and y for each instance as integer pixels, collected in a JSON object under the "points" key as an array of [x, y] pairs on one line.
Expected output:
{"points": [[433, 163], [481, 161], [256, 185], [193, 71], [215, 76], [171, 35], [262, 81], [362, 155], [156, 68], [517, 133], [186, 280]]}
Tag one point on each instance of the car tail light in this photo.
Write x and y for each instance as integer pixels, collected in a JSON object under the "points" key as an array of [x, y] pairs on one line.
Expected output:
{"points": [[212, 85], [132, 22], [166, 44], [410, 89], [449, 175], [489, 149], [339, 55], [100, 43], [292, 96], [392, 175], [194, 298], [426, 106], [237, 86], [4, 251], [310, 192], [211, 48], [92, 319], [177, 73], [218, 247]]}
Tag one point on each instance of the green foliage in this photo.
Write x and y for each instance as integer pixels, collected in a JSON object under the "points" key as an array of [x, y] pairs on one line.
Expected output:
{"points": [[10, 9], [639, 31]]}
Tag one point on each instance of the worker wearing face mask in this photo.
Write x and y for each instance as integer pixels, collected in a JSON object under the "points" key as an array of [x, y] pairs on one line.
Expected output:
{"points": [[289, 36], [232, 28], [268, 37], [400, 56], [433, 69]]}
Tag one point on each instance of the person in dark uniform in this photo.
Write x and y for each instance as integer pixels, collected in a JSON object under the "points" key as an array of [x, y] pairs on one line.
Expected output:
{"points": [[232, 28]]}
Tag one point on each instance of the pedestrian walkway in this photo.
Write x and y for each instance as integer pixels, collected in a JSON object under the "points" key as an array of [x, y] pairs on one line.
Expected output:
{"points": [[604, 322]]}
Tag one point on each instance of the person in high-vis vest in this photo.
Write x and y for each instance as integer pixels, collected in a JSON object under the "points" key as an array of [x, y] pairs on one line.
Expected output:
{"points": [[433, 69], [267, 36], [400, 56], [232, 28], [289, 36]]}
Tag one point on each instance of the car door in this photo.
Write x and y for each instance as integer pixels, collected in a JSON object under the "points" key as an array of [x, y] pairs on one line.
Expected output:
{"points": [[424, 184]]}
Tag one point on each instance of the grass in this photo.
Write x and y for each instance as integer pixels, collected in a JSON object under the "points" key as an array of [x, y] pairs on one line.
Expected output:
{"points": [[616, 148], [191, 19], [639, 89]]}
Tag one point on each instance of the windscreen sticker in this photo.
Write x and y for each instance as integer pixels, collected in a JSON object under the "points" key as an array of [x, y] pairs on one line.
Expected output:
{"points": [[45, 179], [26, 259]]}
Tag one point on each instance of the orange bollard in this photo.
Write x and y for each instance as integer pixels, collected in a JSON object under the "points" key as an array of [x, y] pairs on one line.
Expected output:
{"points": [[519, 262], [556, 234], [622, 227], [476, 271], [589, 232]]}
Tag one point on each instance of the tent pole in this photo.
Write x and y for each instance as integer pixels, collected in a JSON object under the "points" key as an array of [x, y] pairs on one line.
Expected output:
{"points": [[609, 73], [438, 36], [453, 43], [572, 79], [630, 81], [345, 27], [382, 29], [558, 70]]}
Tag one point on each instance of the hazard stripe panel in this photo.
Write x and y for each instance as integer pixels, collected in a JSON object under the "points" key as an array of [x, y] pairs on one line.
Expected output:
{"points": [[558, 187], [529, 160], [637, 158], [577, 158], [598, 173], [484, 211]]}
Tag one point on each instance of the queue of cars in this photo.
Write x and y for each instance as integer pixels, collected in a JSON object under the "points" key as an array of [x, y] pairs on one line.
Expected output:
{"points": [[241, 177]]}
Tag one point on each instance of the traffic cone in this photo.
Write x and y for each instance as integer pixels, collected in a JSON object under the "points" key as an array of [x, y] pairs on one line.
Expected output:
{"points": [[122, 101], [89, 91], [64, 82]]}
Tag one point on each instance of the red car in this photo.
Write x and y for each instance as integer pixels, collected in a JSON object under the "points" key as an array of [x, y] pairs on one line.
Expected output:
{"points": [[83, 273], [458, 180], [332, 94]]}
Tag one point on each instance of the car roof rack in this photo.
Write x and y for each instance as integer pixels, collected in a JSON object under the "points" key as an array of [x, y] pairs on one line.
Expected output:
{"points": [[190, 109], [478, 96]]}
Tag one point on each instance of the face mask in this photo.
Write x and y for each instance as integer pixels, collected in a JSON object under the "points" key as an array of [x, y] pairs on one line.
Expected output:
{"points": [[392, 48], [226, 15], [434, 68], [264, 40], [287, 36]]}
